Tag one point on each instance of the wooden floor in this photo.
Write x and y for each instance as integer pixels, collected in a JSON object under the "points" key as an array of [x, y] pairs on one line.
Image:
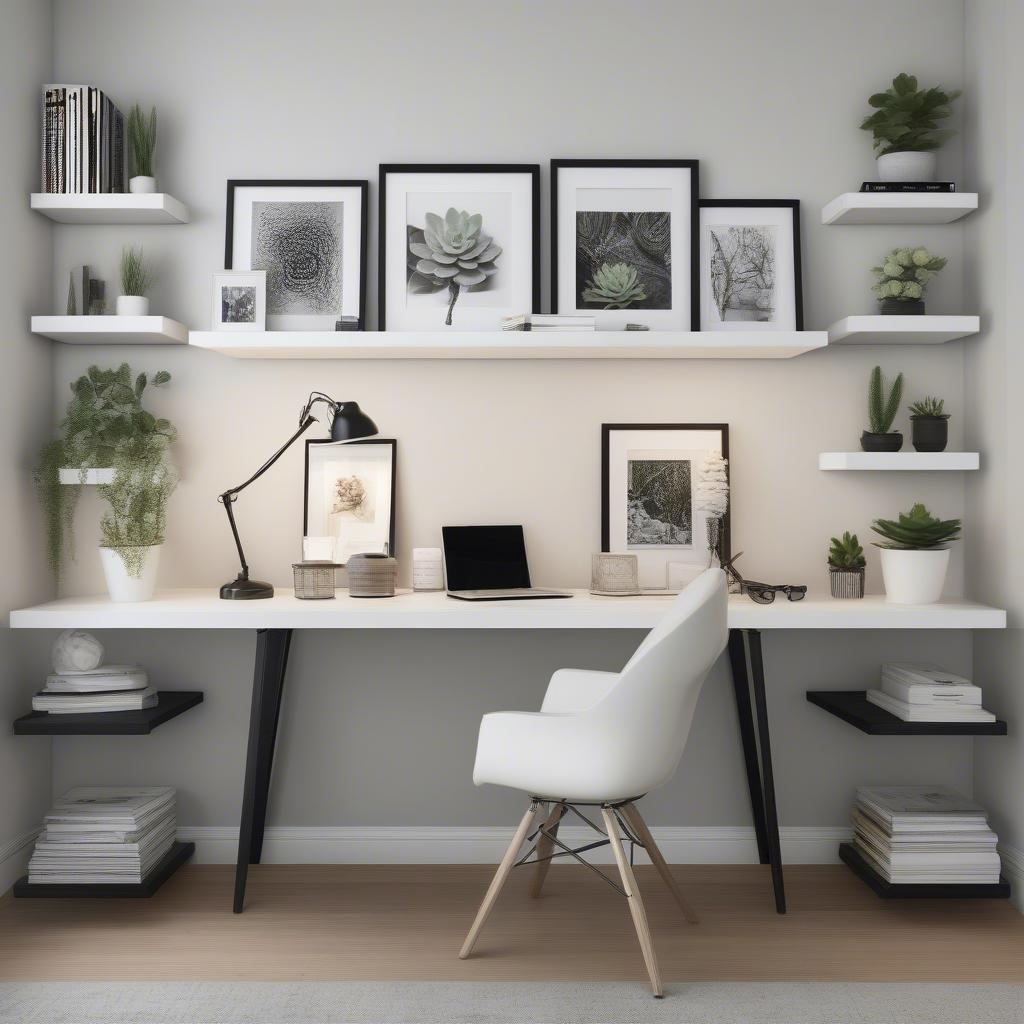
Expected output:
{"points": [[343, 922]]}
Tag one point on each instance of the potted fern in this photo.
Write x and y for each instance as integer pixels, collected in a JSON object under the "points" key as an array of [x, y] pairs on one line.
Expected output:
{"points": [[846, 566], [929, 425], [136, 280], [883, 404], [915, 556], [141, 144]]}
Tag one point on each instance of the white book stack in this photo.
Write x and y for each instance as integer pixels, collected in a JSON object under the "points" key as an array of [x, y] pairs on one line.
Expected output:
{"points": [[515, 322], [103, 689], [927, 693], [562, 322], [104, 835], [915, 835]]}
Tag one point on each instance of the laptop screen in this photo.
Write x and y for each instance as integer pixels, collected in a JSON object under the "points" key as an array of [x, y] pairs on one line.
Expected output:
{"points": [[485, 557]]}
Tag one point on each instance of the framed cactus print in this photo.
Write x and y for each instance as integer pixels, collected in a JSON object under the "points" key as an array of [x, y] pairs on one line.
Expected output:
{"points": [[459, 245], [624, 242]]}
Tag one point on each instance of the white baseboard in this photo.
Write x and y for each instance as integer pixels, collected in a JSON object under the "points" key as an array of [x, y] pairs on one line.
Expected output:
{"points": [[1013, 872], [14, 856]]}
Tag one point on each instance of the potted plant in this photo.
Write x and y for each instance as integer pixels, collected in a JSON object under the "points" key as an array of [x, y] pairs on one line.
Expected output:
{"points": [[881, 413], [929, 425], [136, 280], [902, 279], [914, 555], [846, 566], [141, 144], [906, 131]]}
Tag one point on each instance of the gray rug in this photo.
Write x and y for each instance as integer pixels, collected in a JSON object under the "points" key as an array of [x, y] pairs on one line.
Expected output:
{"points": [[366, 1002]]}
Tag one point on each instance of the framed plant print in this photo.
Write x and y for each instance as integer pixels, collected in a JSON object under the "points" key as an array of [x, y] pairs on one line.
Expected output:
{"points": [[459, 245], [239, 300], [350, 495], [665, 497], [309, 237], [750, 265], [624, 242]]}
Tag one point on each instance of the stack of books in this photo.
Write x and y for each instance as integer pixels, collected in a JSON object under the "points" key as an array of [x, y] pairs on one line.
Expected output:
{"points": [[516, 322], [917, 835], [926, 693], [82, 141], [562, 322], [104, 835], [908, 186], [103, 689]]}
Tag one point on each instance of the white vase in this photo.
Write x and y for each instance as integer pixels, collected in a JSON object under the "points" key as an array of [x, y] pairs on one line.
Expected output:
{"points": [[123, 587], [132, 305], [906, 166], [141, 183], [914, 577]]}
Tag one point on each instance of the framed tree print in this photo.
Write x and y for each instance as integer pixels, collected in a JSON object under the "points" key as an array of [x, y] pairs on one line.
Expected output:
{"points": [[310, 239], [459, 245], [750, 265], [624, 242]]}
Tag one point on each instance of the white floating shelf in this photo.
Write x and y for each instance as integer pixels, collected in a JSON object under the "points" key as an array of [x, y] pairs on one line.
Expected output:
{"points": [[111, 330], [92, 476], [902, 330], [892, 461], [510, 344], [899, 207], [111, 208]]}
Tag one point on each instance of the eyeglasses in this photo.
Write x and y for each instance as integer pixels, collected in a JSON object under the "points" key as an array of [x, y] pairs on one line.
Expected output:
{"points": [[762, 593]]}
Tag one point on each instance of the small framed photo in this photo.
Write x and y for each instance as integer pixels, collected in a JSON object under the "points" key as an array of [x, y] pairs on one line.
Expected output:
{"points": [[750, 265], [350, 495], [459, 245], [240, 300], [624, 242], [657, 481]]}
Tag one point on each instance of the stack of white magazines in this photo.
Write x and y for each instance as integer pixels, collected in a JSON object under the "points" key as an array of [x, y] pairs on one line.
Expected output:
{"points": [[915, 835], [562, 322], [106, 688], [104, 835], [926, 693]]}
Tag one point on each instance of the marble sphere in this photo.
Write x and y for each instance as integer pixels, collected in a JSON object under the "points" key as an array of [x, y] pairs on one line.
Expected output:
{"points": [[75, 651]]}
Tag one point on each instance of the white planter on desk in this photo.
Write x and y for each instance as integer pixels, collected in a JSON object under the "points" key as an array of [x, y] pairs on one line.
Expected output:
{"points": [[914, 577], [132, 305], [124, 588]]}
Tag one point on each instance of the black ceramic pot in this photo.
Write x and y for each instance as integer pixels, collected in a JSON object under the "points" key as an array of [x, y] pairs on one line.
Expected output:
{"points": [[930, 433], [881, 442], [905, 307]]}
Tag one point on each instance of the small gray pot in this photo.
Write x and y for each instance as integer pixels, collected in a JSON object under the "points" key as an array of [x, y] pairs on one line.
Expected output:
{"points": [[846, 583]]}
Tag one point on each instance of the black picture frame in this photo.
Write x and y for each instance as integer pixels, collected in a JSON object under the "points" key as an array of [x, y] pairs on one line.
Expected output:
{"points": [[311, 442], [382, 175], [791, 204], [362, 184], [693, 166]]}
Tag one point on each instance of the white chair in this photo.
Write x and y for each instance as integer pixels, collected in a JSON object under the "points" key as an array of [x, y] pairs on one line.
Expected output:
{"points": [[606, 739]]}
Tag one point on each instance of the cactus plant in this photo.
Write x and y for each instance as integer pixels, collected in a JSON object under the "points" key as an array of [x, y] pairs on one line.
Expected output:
{"points": [[916, 530], [846, 553], [881, 409], [906, 119]]}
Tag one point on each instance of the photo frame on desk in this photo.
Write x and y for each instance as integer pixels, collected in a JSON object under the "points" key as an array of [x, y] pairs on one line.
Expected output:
{"points": [[349, 494]]}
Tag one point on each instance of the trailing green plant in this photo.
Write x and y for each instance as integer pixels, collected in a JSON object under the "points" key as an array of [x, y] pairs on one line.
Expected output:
{"points": [[136, 275], [929, 408], [882, 409], [904, 274], [906, 119], [141, 141], [104, 426], [916, 530], [846, 553]]}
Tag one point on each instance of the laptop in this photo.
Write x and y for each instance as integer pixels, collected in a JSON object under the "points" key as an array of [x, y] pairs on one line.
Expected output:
{"points": [[488, 563]]}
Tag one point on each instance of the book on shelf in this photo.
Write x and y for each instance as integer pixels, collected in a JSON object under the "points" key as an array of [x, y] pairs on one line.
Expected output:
{"points": [[82, 141], [102, 680], [95, 703], [948, 694], [910, 808], [923, 672], [929, 712], [908, 186], [516, 322]]}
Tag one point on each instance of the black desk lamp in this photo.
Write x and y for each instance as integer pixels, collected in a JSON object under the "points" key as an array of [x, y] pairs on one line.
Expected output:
{"points": [[348, 423]]}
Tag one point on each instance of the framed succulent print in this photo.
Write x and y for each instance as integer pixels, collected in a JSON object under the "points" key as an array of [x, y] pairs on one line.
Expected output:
{"points": [[624, 242], [750, 265], [459, 245]]}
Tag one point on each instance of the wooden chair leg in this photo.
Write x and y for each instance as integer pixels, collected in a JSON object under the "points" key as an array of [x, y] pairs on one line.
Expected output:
{"points": [[643, 833], [636, 906], [544, 849], [500, 877]]}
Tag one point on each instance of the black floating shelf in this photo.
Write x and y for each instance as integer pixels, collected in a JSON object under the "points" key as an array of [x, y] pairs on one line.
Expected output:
{"points": [[176, 856], [854, 707], [855, 861], [110, 723]]}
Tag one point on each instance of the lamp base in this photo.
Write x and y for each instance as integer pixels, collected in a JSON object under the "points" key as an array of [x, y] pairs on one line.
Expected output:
{"points": [[246, 590]]}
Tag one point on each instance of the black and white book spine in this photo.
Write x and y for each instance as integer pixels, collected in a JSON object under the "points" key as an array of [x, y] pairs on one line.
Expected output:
{"points": [[908, 186]]}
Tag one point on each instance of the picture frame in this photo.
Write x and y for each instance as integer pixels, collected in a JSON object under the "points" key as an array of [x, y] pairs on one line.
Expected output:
{"points": [[239, 300], [310, 238], [459, 245], [746, 233], [639, 215], [361, 514], [651, 475]]}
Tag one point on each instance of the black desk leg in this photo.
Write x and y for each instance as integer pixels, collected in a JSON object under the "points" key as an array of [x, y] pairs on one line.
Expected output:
{"points": [[267, 684]]}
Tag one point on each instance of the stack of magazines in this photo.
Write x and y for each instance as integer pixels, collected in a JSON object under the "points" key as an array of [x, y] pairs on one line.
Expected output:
{"points": [[104, 835], [914, 835], [549, 322], [82, 141], [927, 693], [103, 689]]}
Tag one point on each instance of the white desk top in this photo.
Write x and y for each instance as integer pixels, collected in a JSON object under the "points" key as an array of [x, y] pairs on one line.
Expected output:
{"points": [[203, 609]]}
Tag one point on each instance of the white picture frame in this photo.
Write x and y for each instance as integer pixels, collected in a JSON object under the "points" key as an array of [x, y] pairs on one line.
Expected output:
{"points": [[239, 300]]}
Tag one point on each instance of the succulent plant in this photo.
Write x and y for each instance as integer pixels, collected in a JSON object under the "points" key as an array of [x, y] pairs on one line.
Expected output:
{"points": [[907, 119], [916, 530], [615, 286], [846, 553], [451, 252], [881, 410], [904, 273], [929, 408]]}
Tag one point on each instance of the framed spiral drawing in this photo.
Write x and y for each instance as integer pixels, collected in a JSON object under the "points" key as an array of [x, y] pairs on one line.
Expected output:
{"points": [[309, 237]]}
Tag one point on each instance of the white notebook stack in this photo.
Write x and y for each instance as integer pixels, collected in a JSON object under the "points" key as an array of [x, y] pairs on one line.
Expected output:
{"points": [[102, 689], [914, 835], [562, 322], [927, 693]]}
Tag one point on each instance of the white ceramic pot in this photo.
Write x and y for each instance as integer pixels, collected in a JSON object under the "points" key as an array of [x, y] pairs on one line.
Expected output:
{"points": [[132, 305], [908, 166], [914, 577], [141, 183], [121, 586]]}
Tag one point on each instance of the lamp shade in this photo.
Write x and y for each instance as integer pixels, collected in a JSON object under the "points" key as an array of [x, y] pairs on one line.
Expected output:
{"points": [[351, 423]]}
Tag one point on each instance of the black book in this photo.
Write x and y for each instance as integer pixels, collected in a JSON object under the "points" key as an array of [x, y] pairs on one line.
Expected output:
{"points": [[908, 186]]}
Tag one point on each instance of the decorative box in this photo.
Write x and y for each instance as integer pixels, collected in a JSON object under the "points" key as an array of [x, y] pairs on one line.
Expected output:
{"points": [[314, 581], [371, 575]]}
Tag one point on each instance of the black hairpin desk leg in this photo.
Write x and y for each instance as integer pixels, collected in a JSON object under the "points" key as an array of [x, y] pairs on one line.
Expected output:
{"points": [[267, 685]]}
